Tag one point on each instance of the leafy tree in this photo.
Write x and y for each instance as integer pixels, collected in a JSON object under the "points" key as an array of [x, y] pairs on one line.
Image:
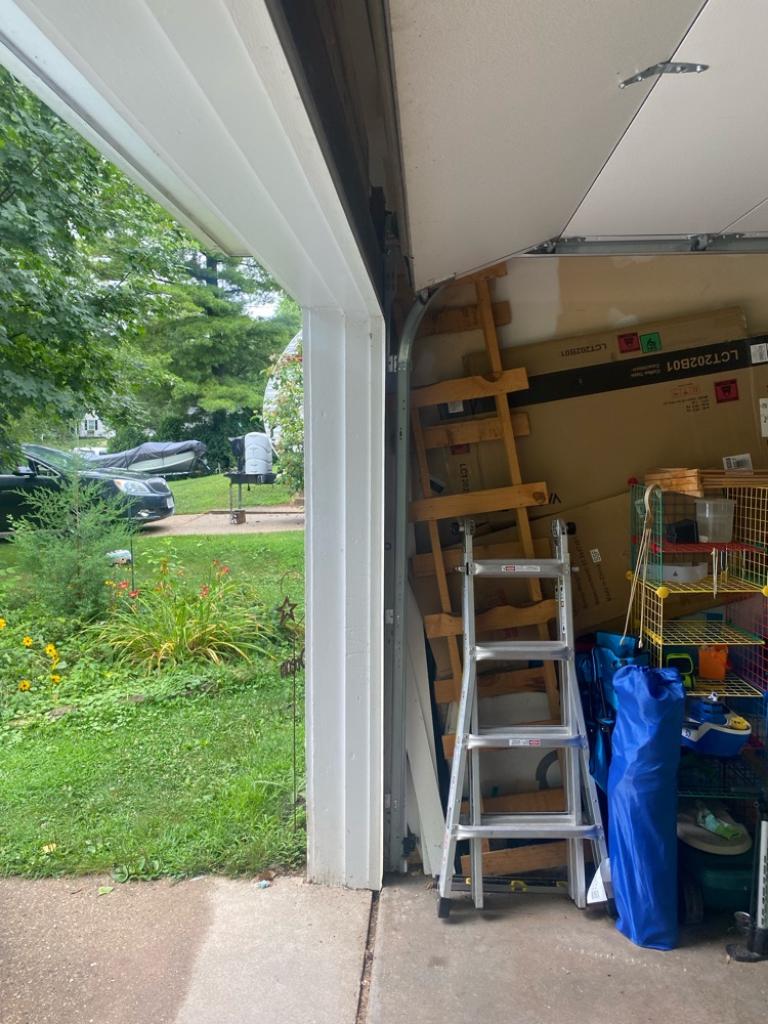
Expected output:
{"points": [[284, 411], [203, 367], [85, 258], [106, 303]]}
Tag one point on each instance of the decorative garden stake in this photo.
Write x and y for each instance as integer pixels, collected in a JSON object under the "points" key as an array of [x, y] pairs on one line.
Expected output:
{"points": [[290, 667]]}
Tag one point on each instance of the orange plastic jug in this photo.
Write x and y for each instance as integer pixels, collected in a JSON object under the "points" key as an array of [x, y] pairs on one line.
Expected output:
{"points": [[713, 661]]}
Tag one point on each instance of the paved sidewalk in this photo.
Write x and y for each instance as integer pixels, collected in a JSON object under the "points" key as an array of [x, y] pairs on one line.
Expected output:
{"points": [[205, 951]]}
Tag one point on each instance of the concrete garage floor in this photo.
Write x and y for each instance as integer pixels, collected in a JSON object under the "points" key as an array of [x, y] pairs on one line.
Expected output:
{"points": [[217, 951]]}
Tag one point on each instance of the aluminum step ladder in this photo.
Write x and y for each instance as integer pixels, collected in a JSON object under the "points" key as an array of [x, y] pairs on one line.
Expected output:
{"points": [[582, 819]]}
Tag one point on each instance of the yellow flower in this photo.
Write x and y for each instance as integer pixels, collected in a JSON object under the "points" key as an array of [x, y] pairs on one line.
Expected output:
{"points": [[27, 641], [3, 623], [109, 583], [51, 651], [55, 678], [25, 685]]}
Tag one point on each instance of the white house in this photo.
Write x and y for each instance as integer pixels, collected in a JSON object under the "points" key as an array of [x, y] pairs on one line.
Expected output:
{"points": [[92, 427], [366, 151]]}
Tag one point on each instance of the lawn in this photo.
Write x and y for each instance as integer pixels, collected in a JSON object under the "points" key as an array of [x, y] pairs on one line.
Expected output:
{"points": [[172, 773], [205, 493]]}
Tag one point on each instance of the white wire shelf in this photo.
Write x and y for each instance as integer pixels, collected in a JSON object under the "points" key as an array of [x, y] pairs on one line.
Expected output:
{"points": [[726, 584], [681, 632], [731, 686]]}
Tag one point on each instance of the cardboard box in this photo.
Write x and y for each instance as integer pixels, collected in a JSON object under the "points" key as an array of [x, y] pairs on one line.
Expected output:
{"points": [[606, 407], [600, 554], [600, 551]]}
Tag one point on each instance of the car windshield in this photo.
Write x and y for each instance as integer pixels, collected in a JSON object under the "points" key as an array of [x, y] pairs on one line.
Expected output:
{"points": [[53, 457]]}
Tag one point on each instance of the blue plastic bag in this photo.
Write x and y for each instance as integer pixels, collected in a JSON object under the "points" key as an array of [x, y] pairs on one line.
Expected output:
{"points": [[642, 803]]}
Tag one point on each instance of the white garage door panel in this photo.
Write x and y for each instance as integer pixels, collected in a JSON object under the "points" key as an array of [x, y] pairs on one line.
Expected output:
{"points": [[695, 158], [183, 76], [754, 222], [509, 108]]}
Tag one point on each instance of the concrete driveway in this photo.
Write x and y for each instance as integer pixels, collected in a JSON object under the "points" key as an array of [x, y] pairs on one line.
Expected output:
{"points": [[265, 519], [217, 951]]}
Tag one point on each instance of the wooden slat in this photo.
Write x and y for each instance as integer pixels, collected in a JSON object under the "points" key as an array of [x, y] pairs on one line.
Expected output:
{"points": [[505, 616], [696, 482], [538, 800], [497, 270], [493, 684], [498, 499], [682, 481], [522, 859], [483, 292], [449, 738], [455, 319], [463, 389], [434, 539], [423, 565], [475, 431]]}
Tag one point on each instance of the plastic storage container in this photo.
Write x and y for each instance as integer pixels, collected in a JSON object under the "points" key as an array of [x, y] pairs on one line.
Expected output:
{"points": [[258, 454], [714, 518]]}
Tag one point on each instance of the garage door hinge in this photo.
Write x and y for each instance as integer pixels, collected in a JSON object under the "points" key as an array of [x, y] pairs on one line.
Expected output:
{"points": [[665, 67]]}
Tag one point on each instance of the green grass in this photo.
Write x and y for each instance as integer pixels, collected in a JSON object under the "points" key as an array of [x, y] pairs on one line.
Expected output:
{"points": [[197, 781], [269, 561], [205, 493], [196, 785]]}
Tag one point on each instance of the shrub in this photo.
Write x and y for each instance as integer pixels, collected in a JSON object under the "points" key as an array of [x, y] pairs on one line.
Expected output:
{"points": [[168, 624], [62, 546], [284, 409]]}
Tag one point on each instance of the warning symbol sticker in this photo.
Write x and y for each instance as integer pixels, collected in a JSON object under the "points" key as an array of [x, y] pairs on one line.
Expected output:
{"points": [[727, 390], [629, 342], [650, 342]]}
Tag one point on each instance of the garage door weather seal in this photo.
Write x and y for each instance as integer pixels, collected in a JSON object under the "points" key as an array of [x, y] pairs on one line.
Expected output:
{"points": [[397, 824]]}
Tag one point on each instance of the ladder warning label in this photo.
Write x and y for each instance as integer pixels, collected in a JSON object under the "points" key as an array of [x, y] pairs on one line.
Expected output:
{"points": [[528, 569]]}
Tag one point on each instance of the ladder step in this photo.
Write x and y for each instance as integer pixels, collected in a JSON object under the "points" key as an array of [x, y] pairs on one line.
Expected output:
{"points": [[528, 826], [520, 568], [552, 736], [523, 650]]}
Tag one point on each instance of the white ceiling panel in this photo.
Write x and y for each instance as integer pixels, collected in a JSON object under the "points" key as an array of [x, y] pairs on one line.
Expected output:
{"points": [[509, 108], [694, 160]]}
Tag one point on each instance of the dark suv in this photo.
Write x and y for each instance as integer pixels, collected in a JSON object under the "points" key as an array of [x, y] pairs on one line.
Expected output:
{"points": [[147, 498]]}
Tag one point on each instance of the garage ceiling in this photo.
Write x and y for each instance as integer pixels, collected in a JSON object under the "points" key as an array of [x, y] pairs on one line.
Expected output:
{"points": [[512, 125], [694, 159], [514, 129]]}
